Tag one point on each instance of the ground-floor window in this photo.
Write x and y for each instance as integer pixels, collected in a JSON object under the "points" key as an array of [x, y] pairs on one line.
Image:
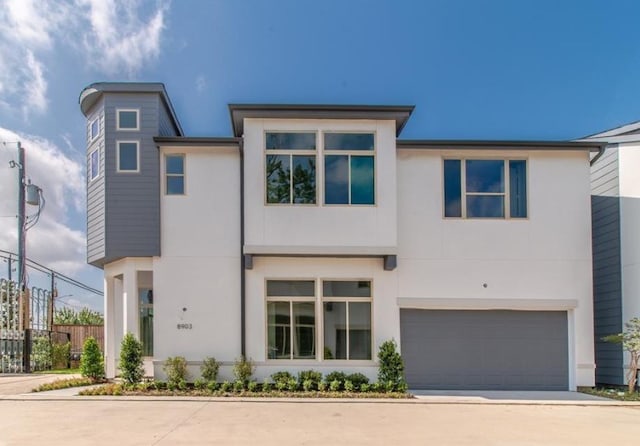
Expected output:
{"points": [[293, 325], [145, 306]]}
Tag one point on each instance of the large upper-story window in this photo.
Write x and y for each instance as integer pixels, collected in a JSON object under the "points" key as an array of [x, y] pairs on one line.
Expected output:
{"points": [[127, 119], [349, 168], [485, 188], [291, 168]]}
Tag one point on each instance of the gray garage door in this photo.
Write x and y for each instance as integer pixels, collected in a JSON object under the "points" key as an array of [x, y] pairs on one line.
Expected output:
{"points": [[495, 350]]}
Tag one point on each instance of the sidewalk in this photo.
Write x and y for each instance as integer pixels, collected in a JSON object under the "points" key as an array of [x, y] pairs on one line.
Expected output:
{"points": [[19, 383]]}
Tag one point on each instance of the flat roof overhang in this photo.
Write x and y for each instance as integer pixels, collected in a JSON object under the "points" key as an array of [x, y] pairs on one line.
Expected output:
{"points": [[443, 144]]}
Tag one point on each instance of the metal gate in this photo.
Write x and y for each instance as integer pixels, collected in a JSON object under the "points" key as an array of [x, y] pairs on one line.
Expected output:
{"points": [[25, 328]]}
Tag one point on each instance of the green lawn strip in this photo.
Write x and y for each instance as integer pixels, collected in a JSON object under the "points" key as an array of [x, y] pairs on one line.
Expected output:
{"points": [[64, 384], [611, 393], [118, 389], [58, 372]]}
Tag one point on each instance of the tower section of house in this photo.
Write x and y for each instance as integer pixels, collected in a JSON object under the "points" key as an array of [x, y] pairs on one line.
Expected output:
{"points": [[615, 198]]}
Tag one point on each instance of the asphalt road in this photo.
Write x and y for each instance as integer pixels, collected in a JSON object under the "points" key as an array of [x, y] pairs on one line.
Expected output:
{"points": [[123, 422]]}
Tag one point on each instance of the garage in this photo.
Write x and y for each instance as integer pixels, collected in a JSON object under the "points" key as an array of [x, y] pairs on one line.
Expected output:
{"points": [[485, 350]]}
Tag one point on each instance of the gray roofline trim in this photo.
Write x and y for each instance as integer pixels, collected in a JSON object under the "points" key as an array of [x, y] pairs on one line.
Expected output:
{"points": [[90, 94], [616, 131], [239, 112], [436, 144], [192, 141]]}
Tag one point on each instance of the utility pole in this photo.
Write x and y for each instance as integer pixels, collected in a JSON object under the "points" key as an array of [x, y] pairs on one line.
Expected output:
{"points": [[22, 255]]}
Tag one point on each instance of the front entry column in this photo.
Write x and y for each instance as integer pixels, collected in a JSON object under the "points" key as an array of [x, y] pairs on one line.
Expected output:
{"points": [[109, 327], [130, 301]]}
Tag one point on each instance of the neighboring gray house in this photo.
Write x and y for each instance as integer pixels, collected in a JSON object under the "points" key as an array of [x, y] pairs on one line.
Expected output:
{"points": [[615, 203]]}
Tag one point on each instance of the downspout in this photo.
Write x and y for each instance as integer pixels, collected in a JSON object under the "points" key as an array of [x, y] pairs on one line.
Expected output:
{"points": [[242, 269], [598, 155]]}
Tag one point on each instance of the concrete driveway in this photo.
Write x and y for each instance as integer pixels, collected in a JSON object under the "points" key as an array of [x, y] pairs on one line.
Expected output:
{"points": [[35, 420]]}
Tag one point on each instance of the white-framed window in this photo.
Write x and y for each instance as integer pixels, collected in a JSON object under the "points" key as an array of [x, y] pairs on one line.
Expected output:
{"points": [[349, 168], [291, 319], [290, 167], [94, 129], [485, 188], [127, 119], [293, 326], [128, 156], [346, 315], [94, 165], [174, 174]]}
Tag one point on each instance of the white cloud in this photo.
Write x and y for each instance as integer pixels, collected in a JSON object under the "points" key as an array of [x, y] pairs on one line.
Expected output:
{"points": [[112, 35], [52, 241]]}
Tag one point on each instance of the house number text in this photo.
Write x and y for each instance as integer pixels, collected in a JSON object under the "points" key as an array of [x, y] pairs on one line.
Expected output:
{"points": [[185, 326]]}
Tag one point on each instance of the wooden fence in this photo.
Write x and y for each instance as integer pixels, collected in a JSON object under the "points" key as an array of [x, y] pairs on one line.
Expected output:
{"points": [[81, 332]]}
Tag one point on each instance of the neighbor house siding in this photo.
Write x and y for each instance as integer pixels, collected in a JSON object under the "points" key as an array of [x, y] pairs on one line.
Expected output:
{"points": [[607, 277], [167, 127], [132, 199]]}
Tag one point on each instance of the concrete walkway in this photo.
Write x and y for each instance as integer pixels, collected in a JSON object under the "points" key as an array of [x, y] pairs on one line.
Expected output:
{"points": [[19, 383]]}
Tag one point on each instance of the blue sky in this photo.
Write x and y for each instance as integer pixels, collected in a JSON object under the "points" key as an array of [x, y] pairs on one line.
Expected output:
{"points": [[509, 69]]}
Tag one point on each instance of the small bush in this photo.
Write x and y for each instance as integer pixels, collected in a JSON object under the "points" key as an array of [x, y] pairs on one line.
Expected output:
{"points": [[239, 386], [131, 359], [309, 375], [335, 385], [226, 386], [281, 385], [391, 368], [348, 386], [336, 376], [91, 361], [212, 386], [243, 369], [60, 355], [281, 377], [292, 385], [365, 387], [357, 379], [308, 385], [209, 369], [252, 386], [267, 385], [200, 384], [322, 386], [176, 370]]}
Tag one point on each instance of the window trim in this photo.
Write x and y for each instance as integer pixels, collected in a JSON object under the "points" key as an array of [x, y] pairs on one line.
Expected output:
{"points": [[319, 301], [91, 178], [349, 153], [463, 187], [118, 143], [183, 174], [91, 136], [137, 128], [291, 154]]}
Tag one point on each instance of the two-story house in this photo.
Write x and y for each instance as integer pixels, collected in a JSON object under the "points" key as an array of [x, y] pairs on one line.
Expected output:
{"points": [[313, 234]]}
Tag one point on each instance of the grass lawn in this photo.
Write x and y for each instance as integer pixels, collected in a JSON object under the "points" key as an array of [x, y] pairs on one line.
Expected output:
{"points": [[58, 372], [611, 393]]}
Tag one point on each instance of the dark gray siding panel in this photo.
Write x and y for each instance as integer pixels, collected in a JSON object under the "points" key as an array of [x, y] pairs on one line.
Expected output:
{"points": [[132, 199], [167, 127], [485, 350], [96, 192], [607, 277]]}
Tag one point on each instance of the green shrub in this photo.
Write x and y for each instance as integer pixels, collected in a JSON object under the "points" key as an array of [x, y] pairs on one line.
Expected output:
{"points": [[322, 386], [91, 361], [309, 375], [239, 386], [226, 386], [281, 385], [308, 385], [391, 368], [41, 353], [281, 377], [357, 379], [267, 385], [60, 354], [348, 386], [176, 370], [209, 369], [252, 386], [336, 376], [212, 386], [243, 369], [200, 384], [365, 387], [130, 366], [292, 385], [335, 385]]}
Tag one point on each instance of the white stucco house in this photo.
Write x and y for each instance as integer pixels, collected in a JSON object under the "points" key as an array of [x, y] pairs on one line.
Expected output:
{"points": [[313, 234]]}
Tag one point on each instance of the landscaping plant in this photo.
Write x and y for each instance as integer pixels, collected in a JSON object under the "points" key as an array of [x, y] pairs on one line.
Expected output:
{"points": [[176, 370], [391, 368], [243, 369], [209, 369], [630, 340], [91, 361], [60, 354], [312, 377], [130, 366]]}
